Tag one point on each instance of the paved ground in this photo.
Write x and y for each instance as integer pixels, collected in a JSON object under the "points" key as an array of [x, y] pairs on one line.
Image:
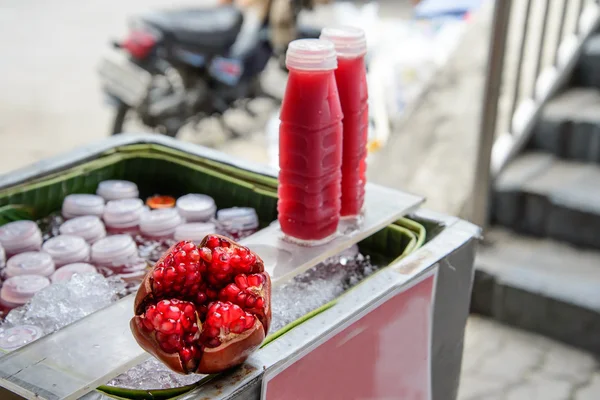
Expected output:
{"points": [[501, 363], [50, 102]]}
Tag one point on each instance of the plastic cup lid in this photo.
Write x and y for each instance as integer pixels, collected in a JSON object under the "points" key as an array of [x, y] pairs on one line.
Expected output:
{"points": [[123, 212], [30, 263], [88, 227], [19, 336], [348, 41], [19, 289], [64, 246], [116, 247], [161, 220], [196, 206], [18, 233], [82, 204], [117, 189], [66, 272], [238, 217], [195, 231], [311, 55]]}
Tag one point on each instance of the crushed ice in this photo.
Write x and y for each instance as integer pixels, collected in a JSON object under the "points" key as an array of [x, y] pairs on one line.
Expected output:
{"points": [[63, 303]]}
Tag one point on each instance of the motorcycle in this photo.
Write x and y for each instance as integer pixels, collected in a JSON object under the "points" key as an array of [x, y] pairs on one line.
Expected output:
{"points": [[184, 65]]}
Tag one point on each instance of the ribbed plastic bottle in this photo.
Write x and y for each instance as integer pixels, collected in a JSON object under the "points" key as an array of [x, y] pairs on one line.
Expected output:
{"points": [[351, 77], [310, 145]]}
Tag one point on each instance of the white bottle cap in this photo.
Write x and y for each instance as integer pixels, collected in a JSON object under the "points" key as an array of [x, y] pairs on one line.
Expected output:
{"points": [[123, 213], [77, 205], [195, 231], [114, 250], [18, 336], [238, 218], [20, 236], [311, 55], [161, 222], [88, 227], [196, 207], [66, 272], [117, 189], [67, 249], [20, 289], [349, 42], [30, 263]]}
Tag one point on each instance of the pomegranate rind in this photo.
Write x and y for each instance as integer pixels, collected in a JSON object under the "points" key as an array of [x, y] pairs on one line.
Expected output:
{"points": [[213, 360], [232, 353]]}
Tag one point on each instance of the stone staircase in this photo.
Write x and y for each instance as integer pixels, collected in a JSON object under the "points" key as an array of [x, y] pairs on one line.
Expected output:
{"points": [[540, 266]]}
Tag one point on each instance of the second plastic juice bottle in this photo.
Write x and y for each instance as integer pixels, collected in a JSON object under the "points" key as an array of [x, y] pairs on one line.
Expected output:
{"points": [[310, 144], [351, 77]]}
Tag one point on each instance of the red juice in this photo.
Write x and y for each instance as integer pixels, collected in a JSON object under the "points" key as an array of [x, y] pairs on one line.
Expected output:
{"points": [[351, 78], [310, 145]]}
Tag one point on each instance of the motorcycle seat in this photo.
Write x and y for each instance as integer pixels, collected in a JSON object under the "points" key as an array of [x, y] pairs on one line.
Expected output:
{"points": [[214, 28]]}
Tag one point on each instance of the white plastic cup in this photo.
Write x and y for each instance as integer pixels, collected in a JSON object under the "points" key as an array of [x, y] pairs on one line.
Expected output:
{"points": [[195, 231], [18, 290], [124, 214], [311, 55], [196, 207], [116, 250], [65, 273], [20, 236], [117, 189], [349, 42], [161, 223], [238, 221], [78, 205], [18, 336], [88, 227], [30, 263], [67, 249]]}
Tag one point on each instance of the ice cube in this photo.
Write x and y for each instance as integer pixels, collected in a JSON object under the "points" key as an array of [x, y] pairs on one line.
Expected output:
{"points": [[153, 374], [63, 303]]}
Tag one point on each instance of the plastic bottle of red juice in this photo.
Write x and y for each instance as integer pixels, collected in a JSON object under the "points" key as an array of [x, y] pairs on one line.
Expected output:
{"points": [[351, 77], [310, 144]]}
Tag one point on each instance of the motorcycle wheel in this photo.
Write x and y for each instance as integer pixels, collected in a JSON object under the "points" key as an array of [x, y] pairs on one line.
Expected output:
{"points": [[121, 116]]}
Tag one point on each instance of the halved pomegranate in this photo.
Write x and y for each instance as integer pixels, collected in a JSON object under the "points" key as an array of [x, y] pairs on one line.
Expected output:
{"points": [[203, 309]]}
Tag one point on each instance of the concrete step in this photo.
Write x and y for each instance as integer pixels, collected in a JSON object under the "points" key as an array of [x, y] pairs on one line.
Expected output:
{"points": [[569, 126], [544, 196], [540, 285]]}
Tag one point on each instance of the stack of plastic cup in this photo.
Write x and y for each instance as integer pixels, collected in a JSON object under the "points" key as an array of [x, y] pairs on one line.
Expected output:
{"points": [[88, 227], [117, 189], [78, 205], [67, 249], [18, 336], [123, 216], [238, 222], [160, 224], [30, 263], [20, 236], [18, 290], [118, 255], [195, 231], [196, 207], [65, 273]]}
